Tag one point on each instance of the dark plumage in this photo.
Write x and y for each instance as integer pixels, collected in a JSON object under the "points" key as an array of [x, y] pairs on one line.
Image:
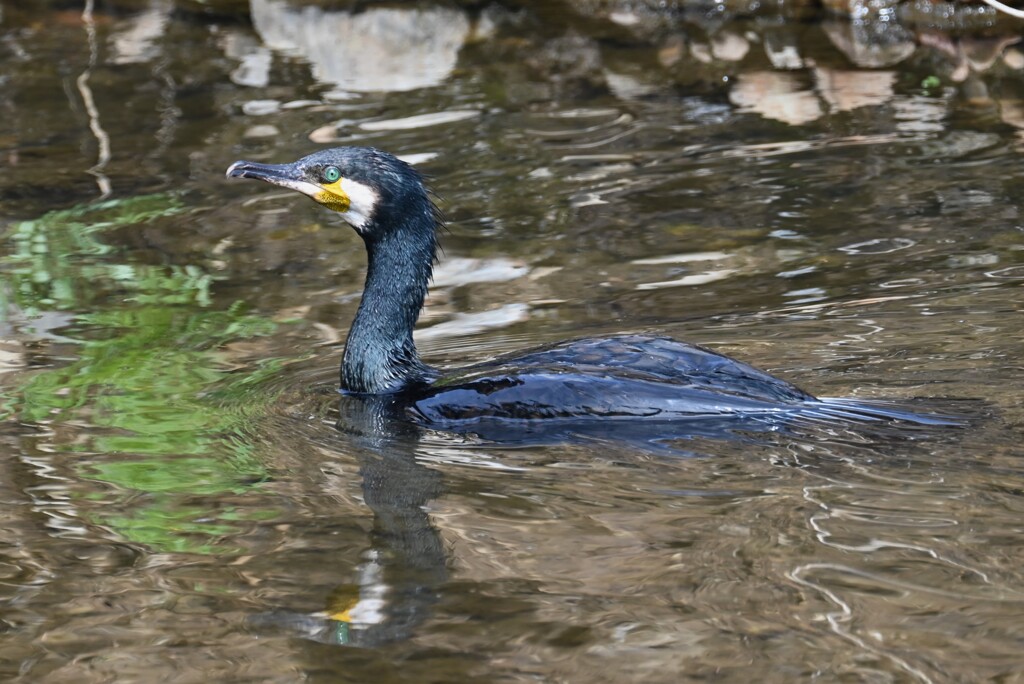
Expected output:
{"points": [[630, 377]]}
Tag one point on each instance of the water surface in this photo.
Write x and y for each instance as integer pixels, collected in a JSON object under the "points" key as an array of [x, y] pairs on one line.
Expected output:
{"points": [[186, 498]]}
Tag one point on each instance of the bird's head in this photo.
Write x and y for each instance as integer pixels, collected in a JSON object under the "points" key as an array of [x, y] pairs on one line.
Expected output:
{"points": [[360, 183]]}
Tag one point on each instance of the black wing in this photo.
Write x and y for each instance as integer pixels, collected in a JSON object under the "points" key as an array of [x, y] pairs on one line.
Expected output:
{"points": [[628, 376]]}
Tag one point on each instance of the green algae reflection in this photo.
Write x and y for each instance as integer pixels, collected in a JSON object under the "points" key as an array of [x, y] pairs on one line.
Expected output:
{"points": [[146, 406]]}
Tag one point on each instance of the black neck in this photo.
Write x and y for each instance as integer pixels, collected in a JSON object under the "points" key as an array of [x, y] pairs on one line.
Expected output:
{"points": [[380, 355]]}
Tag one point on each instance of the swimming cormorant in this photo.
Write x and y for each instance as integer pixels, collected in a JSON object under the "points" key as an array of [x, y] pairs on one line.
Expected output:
{"points": [[627, 377]]}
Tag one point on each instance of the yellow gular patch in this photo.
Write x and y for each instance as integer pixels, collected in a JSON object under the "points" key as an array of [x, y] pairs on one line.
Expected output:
{"points": [[333, 197], [345, 616], [341, 603]]}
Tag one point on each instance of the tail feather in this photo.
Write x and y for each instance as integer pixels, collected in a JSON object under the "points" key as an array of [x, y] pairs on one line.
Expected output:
{"points": [[925, 413]]}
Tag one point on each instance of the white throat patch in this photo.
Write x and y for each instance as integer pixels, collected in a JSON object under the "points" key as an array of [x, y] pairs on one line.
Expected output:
{"points": [[362, 203]]}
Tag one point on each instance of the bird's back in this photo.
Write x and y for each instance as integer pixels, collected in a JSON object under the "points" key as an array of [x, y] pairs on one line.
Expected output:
{"points": [[630, 376]]}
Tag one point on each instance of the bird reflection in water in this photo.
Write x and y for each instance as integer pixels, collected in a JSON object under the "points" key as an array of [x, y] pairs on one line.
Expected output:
{"points": [[406, 565]]}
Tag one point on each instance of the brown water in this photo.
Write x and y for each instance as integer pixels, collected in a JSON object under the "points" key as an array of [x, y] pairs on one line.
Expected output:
{"points": [[836, 203]]}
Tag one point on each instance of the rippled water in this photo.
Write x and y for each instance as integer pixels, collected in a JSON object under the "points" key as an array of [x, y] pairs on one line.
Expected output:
{"points": [[186, 498]]}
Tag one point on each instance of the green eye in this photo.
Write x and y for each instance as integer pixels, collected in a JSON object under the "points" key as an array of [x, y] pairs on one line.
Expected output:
{"points": [[331, 174]]}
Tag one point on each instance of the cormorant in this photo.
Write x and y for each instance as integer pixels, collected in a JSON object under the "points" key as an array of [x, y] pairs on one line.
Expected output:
{"points": [[627, 377]]}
